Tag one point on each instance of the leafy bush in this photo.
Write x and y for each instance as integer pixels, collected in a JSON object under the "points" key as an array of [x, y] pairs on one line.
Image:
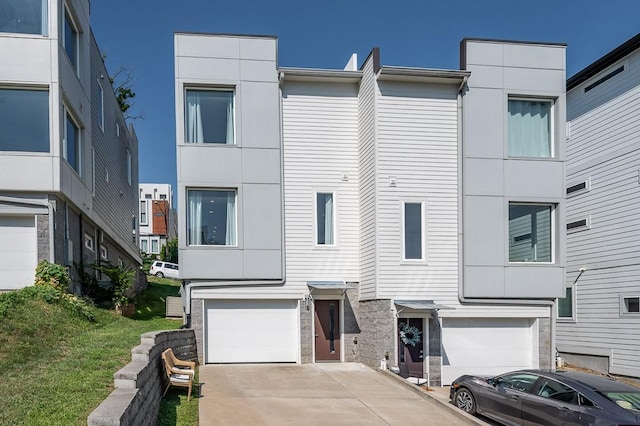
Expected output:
{"points": [[52, 275], [122, 279], [73, 304]]}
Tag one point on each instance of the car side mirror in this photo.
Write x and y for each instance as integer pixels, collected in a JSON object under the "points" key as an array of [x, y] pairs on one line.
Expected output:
{"points": [[494, 381]]}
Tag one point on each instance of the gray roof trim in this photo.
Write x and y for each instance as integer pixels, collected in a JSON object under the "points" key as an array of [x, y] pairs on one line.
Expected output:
{"points": [[328, 285], [319, 74], [422, 74], [497, 40], [424, 305], [224, 34]]}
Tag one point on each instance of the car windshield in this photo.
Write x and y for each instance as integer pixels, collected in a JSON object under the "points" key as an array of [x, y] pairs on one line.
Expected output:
{"points": [[627, 400]]}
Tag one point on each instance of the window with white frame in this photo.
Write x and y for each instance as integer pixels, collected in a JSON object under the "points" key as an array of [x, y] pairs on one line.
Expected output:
{"points": [[100, 106], [89, 242], [565, 304], [413, 231], [325, 218], [24, 119], [93, 171], [143, 213], [531, 232], [630, 304], [72, 145], [144, 245], [71, 39], [209, 116], [211, 217], [155, 245], [104, 253], [530, 128], [117, 130], [129, 174], [24, 16]]}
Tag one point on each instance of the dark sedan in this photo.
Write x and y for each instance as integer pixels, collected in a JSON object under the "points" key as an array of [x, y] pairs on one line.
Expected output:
{"points": [[534, 397]]}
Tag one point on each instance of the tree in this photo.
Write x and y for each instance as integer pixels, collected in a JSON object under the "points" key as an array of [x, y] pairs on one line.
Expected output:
{"points": [[122, 82], [169, 252]]}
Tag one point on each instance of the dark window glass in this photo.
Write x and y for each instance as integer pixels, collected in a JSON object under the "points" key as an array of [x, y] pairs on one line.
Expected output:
{"points": [[70, 39], [565, 305], [73, 144], [332, 328], [577, 187], [519, 381], [632, 304], [324, 214], [530, 233], [211, 217], [413, 231], [23, 16], [558, 391], [24, 120]]}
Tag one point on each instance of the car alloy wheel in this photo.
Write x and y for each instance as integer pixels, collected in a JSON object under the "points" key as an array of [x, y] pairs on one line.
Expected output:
{"points": [[159, 275], [465, 402]]}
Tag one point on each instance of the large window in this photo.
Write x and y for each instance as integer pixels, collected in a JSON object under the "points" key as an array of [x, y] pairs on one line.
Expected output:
{"points": [[209, 116], [24, 120], [70, 39], [23, 16], [530, 232], [565, 305], [211, 217], [71, 149], [413, 231], [325, 222], [530, 128]]}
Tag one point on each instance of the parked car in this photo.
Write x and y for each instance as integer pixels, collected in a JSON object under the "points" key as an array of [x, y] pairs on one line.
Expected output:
{"points": [[164, 269], [534, 397]]}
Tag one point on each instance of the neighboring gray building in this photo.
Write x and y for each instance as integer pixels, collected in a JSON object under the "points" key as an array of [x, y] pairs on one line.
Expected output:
{"points": [[326, 215], [68, 160], [599, 318]]}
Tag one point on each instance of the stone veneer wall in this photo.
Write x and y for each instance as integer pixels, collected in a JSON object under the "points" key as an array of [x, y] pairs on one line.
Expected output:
{"points": [[197, 325], [434, 350], [140, 384], [306, 334], [544, 343], [376, 338]]}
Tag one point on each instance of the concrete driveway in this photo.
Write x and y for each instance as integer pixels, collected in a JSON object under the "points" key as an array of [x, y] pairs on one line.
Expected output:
{"points": [[314, 394]]}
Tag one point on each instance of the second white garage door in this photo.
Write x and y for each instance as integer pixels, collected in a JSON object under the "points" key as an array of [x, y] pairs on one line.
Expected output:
{"points": [[240, 331], [18, 251], [486, 346]]}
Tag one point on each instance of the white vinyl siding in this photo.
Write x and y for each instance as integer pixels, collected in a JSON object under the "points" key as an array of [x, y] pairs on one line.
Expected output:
{"points": [[605, 148], [320, 134], [418, 145]]}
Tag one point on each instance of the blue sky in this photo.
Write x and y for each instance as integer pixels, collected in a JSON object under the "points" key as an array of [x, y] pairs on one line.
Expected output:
{"points": [[138, 34]]}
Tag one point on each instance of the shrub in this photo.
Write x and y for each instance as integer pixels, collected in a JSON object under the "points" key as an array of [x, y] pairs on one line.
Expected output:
{"points": [[122, 279], [52, 275]]}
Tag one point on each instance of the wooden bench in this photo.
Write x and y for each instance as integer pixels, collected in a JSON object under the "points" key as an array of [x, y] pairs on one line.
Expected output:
{"points": [[180, 373]]}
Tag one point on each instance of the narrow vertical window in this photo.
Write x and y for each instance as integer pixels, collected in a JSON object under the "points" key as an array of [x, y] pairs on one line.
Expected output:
{"points": [[71, 141], [70, 39], [565, 304], [129, 167], [93, 171], [209, 116], [100, 106], [143, 212], [332, 328], [530, 127], [413, 231], [155, 245], [144, 245], [211, 217], [325, 218]]}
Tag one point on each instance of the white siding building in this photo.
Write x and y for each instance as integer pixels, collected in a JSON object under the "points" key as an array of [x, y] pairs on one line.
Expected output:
{"points": [[364, 177], [68, 160], [599, 318], [155, 216]]}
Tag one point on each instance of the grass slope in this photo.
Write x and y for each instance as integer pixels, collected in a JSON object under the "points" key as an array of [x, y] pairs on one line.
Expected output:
{"points": [[56, 367]]}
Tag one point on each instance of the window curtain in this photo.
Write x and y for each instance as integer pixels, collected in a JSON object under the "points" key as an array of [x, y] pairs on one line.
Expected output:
{"points": [[195, 131], [230, 238], [229, 139], [195, 218], [328, 219], [529, 125]]}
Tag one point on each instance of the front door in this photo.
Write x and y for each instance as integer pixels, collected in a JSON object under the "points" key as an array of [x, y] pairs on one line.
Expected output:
{"points": [[327, 323], [411, 347]]}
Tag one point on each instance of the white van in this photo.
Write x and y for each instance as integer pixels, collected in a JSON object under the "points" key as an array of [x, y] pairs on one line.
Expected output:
{"points": [[164, 269]]}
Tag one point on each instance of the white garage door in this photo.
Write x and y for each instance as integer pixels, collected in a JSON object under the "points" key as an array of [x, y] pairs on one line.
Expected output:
{"points": [[488, 346], [18, 251], [251, 331]]}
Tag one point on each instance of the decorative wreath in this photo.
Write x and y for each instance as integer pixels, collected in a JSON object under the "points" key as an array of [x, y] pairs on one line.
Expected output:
{"points": [[410, 335]]}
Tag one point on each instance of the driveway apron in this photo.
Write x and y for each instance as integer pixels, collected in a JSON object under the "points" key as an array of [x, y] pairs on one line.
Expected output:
{"points": [[312, 394]]}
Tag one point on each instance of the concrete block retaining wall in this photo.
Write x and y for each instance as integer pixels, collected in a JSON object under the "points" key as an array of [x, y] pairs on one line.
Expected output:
{"points": [[140, 384]]}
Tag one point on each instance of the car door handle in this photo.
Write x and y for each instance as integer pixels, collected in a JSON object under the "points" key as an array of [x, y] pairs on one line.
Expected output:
{"points": [[515, 396]]}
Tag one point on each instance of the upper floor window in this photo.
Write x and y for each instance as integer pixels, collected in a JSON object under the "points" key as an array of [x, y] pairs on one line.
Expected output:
{"points": [[211, 217], [100, 106], [325, 219], [129, 172], [24, 120], [413, 234], [209, 116], [530, 128], [143, 212], [70, 39], [72, 149], [24, 16], [530, 232], [93, 171]]}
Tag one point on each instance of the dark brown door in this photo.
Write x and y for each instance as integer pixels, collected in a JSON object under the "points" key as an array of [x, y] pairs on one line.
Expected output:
{"points": [[327, 330], [410, 357]]}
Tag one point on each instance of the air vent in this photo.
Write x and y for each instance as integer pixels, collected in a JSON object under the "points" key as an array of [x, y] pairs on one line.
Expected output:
{"points": [[577, 224]]}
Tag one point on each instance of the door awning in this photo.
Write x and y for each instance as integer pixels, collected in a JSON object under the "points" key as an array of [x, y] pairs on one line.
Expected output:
{"points": [[328, 285], [421, 305]]}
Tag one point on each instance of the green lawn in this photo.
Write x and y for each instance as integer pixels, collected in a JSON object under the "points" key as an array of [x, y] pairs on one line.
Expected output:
{"points": [[56, 367]]}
